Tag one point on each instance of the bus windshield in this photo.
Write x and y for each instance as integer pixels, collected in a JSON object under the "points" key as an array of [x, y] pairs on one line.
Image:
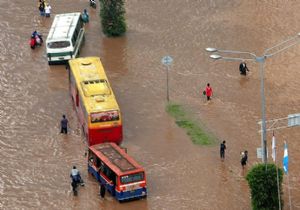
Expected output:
{"points": [[104, 116], [59, 44], [132, 178]]}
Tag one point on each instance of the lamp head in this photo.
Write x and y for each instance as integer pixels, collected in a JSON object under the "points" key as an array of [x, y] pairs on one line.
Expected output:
{"points": [[215, 56], [211, 49]]}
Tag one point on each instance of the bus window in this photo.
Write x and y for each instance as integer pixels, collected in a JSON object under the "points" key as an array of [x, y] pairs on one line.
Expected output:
{"points": [[73, 41], [132, 178], [114, 178], [104, 116], [98, 162], [110, 174], [91, 160], [60, 44]]}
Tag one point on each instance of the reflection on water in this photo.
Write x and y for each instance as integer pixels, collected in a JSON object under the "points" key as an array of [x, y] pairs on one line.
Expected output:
{"points": [[37, 159]]}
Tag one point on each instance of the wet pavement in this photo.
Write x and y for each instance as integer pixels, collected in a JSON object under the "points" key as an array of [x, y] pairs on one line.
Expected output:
{"points": [[36, 159]]}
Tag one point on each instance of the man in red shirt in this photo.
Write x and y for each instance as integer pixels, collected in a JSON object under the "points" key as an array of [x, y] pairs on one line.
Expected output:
{"points": [[208, 91]]}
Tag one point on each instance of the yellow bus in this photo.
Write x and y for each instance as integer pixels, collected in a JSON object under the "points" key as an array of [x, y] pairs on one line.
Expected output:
{"points": [[95, 103]]}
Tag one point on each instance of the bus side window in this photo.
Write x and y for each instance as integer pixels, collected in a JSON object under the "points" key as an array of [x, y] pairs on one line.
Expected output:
{"points": [[77, 97], [98, 162], [91, 160], [73, 40], [113, 178], [110, 175]]}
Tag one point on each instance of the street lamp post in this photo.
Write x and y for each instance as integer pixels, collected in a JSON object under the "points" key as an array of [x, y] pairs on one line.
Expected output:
{"points": [[261, 60]]}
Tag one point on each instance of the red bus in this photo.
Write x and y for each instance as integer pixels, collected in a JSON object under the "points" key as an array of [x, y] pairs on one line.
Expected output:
{"points": [[95, 103], [122, 176]]}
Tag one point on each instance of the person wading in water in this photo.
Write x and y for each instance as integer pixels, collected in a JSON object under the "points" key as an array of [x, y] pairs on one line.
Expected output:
{"points": [[244, 158], [64, 123], [222, 150]]}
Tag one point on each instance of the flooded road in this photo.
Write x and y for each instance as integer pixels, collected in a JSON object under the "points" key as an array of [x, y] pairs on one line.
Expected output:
{"points": [[36, 159]]}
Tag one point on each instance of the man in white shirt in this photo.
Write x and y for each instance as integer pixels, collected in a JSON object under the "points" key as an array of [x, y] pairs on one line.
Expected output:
{"points": [[75, 175], [48, 10]]}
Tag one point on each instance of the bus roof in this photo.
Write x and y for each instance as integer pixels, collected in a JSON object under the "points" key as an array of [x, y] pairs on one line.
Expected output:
{"points": [[93, 84], [116, 158], [63, 26]]}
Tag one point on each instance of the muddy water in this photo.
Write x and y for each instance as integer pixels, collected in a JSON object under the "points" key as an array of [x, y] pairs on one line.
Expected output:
{"points": [[36, 159]]}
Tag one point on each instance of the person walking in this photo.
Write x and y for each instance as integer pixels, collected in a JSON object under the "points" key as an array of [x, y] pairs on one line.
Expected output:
{"points": [[102, 190], [64, 123], [93, 3], [48, 10], [42, 7], [222, 150], [243, 68], [85, 16], [208, 91], [244, 158]]}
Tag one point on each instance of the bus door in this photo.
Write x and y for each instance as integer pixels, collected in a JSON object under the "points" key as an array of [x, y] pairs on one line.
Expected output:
{"points": [[94, 165], [108, 177]]}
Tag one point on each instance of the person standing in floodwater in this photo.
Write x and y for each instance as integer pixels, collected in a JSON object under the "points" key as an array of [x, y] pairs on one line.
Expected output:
{"points": [[102, 190], [244, 158], [243, 68], [64, 125], [48, 10], [208, 91], [222, 150], [42, 7]]}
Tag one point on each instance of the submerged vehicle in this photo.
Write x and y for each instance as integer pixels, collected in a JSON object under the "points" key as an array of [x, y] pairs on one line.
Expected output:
{"points": [[121, 175]]}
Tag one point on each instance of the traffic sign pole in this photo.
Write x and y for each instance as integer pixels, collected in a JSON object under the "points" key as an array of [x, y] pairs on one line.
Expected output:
{"points": [[167, 60], [168, 99]]}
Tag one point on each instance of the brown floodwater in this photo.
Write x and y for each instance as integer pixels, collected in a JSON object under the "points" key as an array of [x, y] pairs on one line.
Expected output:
{"points": [[36, 159]]}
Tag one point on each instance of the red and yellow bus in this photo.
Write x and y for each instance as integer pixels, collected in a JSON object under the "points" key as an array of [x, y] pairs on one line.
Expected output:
{"points": [[122, 176], [96, 106]]}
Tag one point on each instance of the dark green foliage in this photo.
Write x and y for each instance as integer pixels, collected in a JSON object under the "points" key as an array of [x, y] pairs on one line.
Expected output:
{"points": [[112, 13], [262, 180]]}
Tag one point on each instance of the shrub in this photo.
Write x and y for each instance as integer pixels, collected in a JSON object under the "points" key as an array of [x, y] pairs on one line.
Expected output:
{"points": [[112, 13], [262, 179]]}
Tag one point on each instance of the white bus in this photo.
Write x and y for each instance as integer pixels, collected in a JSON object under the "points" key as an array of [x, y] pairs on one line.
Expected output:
{"points": [[65, 37]]}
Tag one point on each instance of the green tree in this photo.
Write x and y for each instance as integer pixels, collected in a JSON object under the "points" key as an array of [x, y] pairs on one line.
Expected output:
{"points": [[112, 13], [262, 179]]}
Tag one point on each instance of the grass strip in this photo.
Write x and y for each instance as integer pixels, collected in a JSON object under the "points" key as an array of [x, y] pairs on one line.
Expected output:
{"points": [[193, 129]]}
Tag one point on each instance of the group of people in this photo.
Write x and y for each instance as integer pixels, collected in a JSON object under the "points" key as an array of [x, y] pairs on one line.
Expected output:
{"points": [[85, 16], [75, 174], [208, 92], [44, 8], [36, 37], [36, 40], [244, 154]]}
